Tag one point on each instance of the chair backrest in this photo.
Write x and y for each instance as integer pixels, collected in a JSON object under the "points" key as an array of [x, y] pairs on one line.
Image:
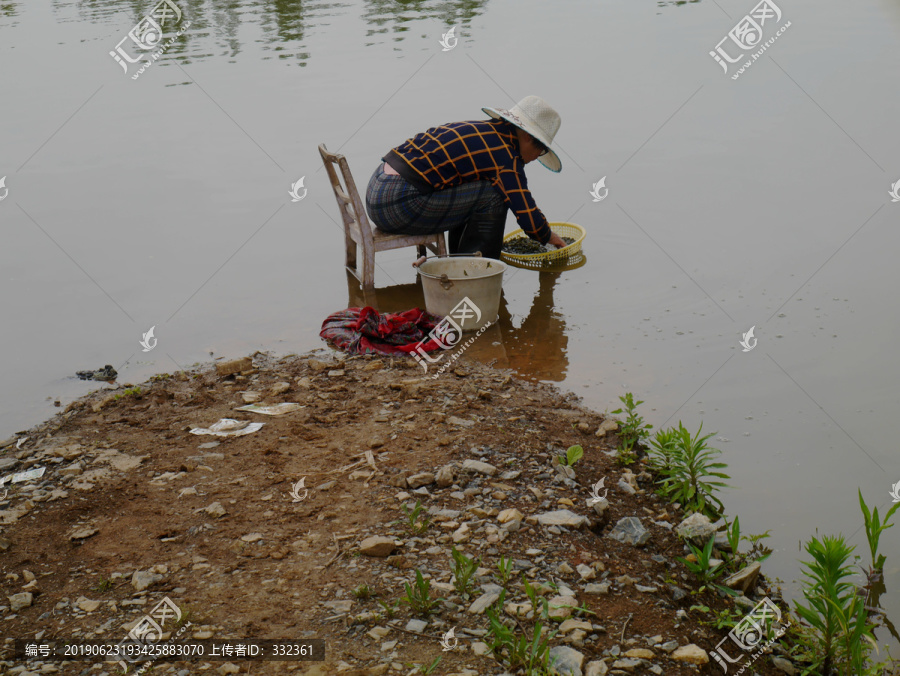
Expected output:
{"points": [[353, 211]]}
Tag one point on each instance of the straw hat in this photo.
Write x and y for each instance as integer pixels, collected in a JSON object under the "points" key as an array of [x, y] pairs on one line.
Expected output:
{"points": [[535, 116]]}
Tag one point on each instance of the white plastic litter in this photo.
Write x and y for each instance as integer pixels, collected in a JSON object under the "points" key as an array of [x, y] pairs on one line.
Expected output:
{"points": [[19, 477], [274, 409], [228, 427]]}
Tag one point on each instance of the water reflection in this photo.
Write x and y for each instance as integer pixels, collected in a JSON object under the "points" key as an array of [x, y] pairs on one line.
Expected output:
{"points": [[394, 16], [225, 28], [536, 348]]}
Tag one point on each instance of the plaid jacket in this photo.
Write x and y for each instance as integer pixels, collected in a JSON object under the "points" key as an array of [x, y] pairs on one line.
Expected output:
{"points": [[482, 150]]}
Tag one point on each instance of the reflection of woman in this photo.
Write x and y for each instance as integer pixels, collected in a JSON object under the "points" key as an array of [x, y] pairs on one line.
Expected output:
{"points": [[538, 346]]}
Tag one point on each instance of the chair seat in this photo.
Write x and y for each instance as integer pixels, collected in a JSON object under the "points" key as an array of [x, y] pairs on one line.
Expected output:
{"points": [[383, 238]]}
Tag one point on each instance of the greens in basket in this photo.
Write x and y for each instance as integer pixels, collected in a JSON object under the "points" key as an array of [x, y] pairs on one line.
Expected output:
{"points": [[526, 246]]}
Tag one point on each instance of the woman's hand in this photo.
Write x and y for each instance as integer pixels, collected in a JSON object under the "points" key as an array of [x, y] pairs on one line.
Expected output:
{"points": [[556, 241]]}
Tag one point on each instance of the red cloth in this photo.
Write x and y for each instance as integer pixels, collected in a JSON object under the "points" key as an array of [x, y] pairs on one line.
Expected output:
{"points": [[365, 331]]}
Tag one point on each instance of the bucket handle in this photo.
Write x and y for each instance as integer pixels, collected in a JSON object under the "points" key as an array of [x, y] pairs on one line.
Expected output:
{"points": [[445, 281], [422, 259]]}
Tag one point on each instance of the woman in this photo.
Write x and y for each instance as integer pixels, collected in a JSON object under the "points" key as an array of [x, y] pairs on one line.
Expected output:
{"points": [[461, 177]]}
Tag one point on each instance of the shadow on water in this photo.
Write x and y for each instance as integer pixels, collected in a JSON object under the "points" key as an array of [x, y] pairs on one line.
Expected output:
{"points": [[536, 348]]}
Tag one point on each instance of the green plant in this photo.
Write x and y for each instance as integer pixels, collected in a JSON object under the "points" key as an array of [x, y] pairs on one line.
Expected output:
{"points": [[874, 528], [427, 668], [390, 609], [834, 611], [504, 567], [363, 592], [573, 455], [687, 480], [413, 523], [104, 585], [758, 552], [703, 568], [662, 449], [418, 596], [633, 431], [129, 392], [515, 650], [463, 569]]}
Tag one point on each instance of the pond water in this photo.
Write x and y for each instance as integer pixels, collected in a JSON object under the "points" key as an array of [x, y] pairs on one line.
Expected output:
{"points": [[737, 199]]}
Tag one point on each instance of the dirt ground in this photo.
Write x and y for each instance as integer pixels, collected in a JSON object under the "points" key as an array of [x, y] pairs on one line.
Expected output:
{"points": [[219, 525]]}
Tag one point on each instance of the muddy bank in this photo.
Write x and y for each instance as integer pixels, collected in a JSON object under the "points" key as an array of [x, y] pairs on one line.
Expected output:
{"points": [[133, 508]]}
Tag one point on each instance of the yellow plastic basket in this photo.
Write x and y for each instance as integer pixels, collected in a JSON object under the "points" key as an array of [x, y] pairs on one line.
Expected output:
{"points": [[557, 256]]}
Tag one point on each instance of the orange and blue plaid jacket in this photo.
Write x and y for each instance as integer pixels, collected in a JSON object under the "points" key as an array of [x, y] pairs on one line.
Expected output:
{"points": [[481, 150]]}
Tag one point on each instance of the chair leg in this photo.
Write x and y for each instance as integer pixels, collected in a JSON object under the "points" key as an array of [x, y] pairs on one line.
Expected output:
{"points": [[368, 270], [350, 254], [442, 244], [422, 250]]}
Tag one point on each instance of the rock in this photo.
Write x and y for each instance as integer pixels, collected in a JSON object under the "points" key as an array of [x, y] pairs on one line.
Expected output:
{"points": [[215, 509], [596, 668], [508, 515], [564, 569], [631, 531], [483, 602], [141, 579], [626, 664], [562, 517], [87, 605], [7, 464], [376, 442], [445, 476], [586, 572], [599, 506], [570, 625], [250, 397], [82, 533], [479, 467], [416, 626], [784, 665], [453, 420], [28, 576], [602, 588], [640, 654], [645, 589], [252, 537], [480, 648], [691, 654], [229, 668], [343, 606], [317, 364], [227, 368], [696, 528], [375, 365], [608, 425], [565, 661], [625, 487], [561, 607], [279, 388], [744, 579], [19, 601], [419, 480], [377, 545], [461, 534]]}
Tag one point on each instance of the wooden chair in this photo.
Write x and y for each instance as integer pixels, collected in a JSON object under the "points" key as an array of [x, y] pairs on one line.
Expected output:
{"points": [[358, 232]]}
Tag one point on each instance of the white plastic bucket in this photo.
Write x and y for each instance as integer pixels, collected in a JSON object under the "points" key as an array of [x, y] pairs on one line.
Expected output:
{"points": [[464, 288]]}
